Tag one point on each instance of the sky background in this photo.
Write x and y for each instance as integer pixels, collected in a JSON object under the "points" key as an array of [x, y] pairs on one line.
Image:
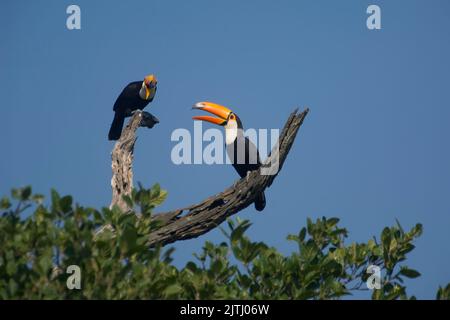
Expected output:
{"points": [[375, 146]]}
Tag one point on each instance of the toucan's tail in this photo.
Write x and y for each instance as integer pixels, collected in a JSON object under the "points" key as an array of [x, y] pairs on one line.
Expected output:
{"points": [[116, 127], [260, 202]]}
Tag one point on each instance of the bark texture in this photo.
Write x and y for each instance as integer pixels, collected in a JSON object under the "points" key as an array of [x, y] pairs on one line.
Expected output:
{"points": [[122, 158]]}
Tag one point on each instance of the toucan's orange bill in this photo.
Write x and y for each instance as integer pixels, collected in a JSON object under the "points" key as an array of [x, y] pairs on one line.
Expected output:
{"points": [[210, 119], [214, 108]]}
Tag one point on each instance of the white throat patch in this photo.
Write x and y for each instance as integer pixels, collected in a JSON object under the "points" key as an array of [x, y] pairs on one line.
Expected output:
{"points": [[231, 132], [142, 92]]}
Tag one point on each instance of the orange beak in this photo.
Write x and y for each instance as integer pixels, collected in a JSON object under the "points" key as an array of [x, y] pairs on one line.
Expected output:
{"points": [[216, 109]]}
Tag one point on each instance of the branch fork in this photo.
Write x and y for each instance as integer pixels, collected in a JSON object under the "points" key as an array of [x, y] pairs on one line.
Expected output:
{"points": [[197, 219]]}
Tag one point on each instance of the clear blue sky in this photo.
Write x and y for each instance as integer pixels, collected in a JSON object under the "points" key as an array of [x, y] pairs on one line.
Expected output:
{"points": [[375, 146]]}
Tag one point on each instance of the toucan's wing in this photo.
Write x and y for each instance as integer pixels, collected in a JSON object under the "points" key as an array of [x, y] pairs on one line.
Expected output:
{"points": [[129, 93], [253, 153]]}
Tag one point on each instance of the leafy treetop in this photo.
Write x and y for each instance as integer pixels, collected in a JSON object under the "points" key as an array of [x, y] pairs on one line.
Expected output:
{"points": [[111, 249]]}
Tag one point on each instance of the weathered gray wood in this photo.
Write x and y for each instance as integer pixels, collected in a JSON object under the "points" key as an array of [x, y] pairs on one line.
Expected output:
{"points": [[122, 158]]}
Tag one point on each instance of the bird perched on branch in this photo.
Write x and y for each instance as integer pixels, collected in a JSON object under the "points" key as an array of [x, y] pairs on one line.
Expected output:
{"points": [[135, 96], [241, 151]]}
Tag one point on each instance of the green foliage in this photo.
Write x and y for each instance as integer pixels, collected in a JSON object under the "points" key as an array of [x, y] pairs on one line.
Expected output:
{"points": [[443, 293], [110, 248]]}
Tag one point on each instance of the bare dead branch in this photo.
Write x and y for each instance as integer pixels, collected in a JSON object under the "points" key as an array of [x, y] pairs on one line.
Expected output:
{"points": [[122, 158], [198, 219]]}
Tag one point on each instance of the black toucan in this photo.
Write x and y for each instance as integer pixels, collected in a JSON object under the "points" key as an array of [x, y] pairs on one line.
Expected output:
{"points": [[241, 151], [135, 96]]}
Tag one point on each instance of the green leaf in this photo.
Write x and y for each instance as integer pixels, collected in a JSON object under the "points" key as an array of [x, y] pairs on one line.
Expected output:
{"points": [[172, 290], [191, 266], [38, 198], [26, 193], [167, 255], [65, 203], [162, 195], [21, 194], [399, 227], [410, 273], [156, 189], [407, 248], [216, 266], [98, 216], [417, 230], [386, 238], [393, 245], [5, 203], [128, 239], [237, 233], [443, 293], [332, 222], [55, 198], [302, 234], [309, 225], [11, 268]]}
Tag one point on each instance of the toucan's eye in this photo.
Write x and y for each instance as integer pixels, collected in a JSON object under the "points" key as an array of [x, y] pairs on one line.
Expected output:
{"points": [[232, 117]]}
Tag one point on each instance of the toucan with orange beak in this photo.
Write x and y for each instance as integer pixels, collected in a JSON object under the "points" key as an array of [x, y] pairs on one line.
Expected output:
{"points": [[241, 151], [135, 96]]}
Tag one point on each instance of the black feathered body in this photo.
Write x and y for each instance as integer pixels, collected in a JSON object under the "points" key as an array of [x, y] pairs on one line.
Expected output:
{"points": [[245, 157], [127, 102]]}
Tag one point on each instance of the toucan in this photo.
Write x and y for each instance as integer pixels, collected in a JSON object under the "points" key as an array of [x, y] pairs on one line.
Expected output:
{"points": [[241, 151], [135, 96]]}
